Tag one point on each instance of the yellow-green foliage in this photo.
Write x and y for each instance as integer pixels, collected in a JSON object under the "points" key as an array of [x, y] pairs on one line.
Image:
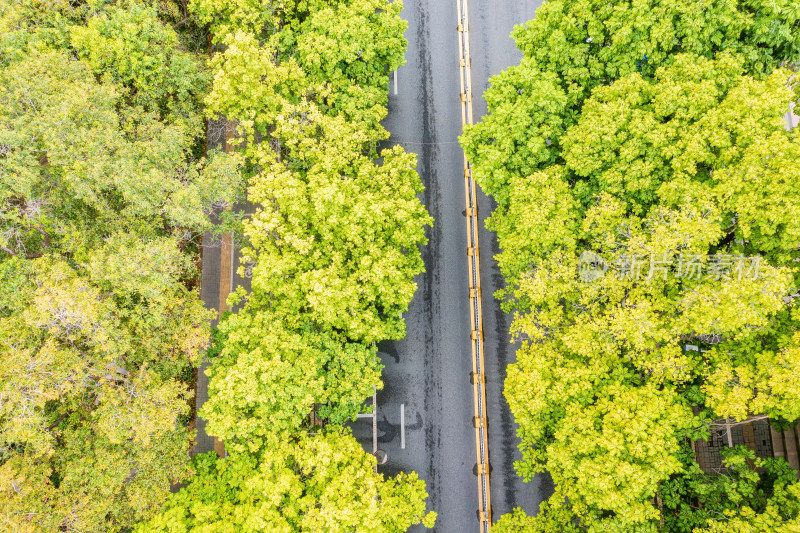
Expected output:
{"points": [[334, 247], [334, 239], [101, 204], [649, 130], [318, 483]]}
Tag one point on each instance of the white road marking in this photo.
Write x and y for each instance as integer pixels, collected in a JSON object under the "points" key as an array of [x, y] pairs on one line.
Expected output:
{"points": [[402, 426], [395, 83]]}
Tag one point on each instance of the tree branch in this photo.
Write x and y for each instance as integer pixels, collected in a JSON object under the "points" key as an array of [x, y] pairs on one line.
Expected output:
{"points": [[181, 23], [41, 230], [52, 426], [727, 239]]}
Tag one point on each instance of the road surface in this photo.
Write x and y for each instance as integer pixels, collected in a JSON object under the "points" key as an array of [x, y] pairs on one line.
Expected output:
{"points": [[428, 373]]}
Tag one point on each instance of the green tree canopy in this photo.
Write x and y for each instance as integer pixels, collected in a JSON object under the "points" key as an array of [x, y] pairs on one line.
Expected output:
{"points": [[650, 164], [334, 54], [336, 234], [655, 172], [268, 378], [102, 197], [751, 495], [324, 482], [132, 47], [336, 237], [571, 47], [336, 241], [333, 247], [79, 164]]}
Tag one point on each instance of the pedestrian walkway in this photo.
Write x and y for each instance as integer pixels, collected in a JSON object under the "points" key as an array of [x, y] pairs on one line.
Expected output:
{"points": [[220, 276], [786, 445], [757, 435]]}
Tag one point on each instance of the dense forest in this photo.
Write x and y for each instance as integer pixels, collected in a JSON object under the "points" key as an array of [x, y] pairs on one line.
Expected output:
{"points": [[645, 139], [107, 187]]}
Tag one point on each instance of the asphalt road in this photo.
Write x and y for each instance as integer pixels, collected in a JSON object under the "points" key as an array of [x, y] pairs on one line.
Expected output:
{"points": [[428, 372]]}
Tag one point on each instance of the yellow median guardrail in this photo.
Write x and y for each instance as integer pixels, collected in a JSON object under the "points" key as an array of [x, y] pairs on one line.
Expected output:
{"points": [[473, 258]]}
